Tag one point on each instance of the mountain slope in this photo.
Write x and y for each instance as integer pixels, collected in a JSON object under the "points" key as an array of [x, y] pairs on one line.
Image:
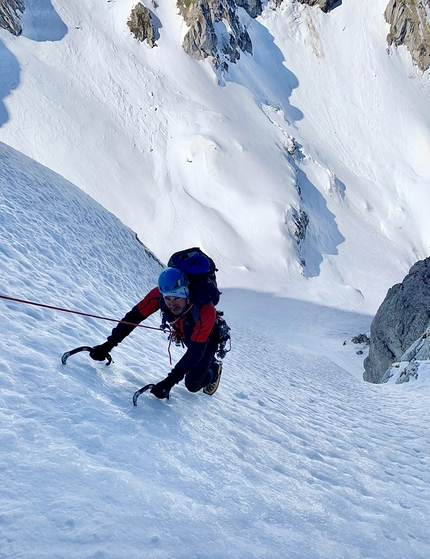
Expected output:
{"points": [[185, 160], [292, 457]]}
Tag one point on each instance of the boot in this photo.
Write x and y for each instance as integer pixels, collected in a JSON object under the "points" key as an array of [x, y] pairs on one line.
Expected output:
{"points": [[212, 387]]}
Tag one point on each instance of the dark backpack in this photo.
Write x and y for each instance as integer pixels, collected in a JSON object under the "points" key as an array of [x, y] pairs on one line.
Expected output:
{"points": [[200, 270]]}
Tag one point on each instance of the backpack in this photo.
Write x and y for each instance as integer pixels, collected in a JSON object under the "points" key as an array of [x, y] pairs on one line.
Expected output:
{"points": [[200, 270]]}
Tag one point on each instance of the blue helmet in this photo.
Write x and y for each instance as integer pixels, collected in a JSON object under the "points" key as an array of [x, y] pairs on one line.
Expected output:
{"points": [[173, 283]]}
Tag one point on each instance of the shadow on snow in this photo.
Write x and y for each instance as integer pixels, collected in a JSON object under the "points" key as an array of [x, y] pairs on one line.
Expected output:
{"points": [[41, 22], [9, 79]]}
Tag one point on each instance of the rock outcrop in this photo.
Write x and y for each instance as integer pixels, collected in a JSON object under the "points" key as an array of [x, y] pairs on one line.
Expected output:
{"points": [[252, 7], [411, 362], [325, 5], [410, 26], [300, 221], [141, 25], [215, 29], [402, 318], [10, 13]]}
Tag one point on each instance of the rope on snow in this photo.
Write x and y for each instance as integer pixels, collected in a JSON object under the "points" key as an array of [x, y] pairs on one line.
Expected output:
{"points": [[77, 312]]}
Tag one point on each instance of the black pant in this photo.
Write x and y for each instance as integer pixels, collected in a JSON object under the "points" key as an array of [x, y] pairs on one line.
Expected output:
{"points": [[201, 375]]}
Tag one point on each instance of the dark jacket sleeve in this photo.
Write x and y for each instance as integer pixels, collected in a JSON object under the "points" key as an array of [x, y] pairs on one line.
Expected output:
{"points": [[123, 330], [146, 307]]}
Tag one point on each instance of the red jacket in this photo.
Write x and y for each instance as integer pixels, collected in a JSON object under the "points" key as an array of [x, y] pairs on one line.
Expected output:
{"points": [[194, 328], [200, 330]]}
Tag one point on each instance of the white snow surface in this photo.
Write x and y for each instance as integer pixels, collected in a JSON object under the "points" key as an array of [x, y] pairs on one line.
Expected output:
{"points": [[185, 157], [101, 137], [292, 457]]}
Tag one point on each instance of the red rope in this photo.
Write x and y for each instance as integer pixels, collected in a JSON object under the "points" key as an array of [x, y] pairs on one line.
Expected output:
{"points": [[78, 312]]}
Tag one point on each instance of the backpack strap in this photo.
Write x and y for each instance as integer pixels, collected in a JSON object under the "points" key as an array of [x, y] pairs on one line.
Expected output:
{"points": [[196, 312]]}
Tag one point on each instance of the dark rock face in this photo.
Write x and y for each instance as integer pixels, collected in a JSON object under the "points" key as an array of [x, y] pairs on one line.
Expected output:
{"points": [[10, 12], [215, 29], [140, 24], [325, 5], [253, 7], [410, 26], [401, 319]]}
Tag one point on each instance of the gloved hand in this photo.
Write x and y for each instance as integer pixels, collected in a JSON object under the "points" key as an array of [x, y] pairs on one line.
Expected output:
{"points": [[101, 352], [162, 389]]}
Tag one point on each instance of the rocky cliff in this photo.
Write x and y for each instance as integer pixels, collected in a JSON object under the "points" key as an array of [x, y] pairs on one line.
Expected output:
{"points": [[325, 5], [401, 320], [411, 362], [141, 25], [10, 12], [410, 26], [215, 29]]}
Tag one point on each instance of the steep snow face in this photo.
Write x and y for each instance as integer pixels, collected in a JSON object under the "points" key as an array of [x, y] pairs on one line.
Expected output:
{"points": [[188, 157], [293, 457]]}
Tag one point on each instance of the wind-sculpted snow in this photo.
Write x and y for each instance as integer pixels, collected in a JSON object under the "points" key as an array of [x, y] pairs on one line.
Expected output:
{"points": [[292, 457]]}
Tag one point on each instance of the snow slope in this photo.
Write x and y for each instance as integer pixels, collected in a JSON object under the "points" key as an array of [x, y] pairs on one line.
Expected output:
{"points": [[293, 457], [185, 159]]}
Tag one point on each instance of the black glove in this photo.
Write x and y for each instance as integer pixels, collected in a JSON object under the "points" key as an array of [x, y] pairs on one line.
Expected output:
{"points": [[101, 352], [162, 389]]}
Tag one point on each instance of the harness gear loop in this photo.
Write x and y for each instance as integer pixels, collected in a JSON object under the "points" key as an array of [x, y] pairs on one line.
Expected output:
{"points": [[174, 335]]}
